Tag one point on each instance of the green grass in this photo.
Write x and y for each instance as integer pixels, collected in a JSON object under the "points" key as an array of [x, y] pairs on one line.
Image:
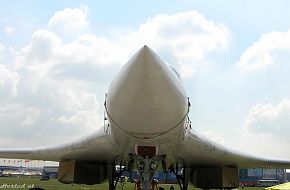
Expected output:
{"points": [[55, 185]]}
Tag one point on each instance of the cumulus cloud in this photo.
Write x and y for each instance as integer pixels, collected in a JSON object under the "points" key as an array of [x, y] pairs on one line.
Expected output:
{"points": [[46, 49], [214, 136], [191, 36], [79, 107], [264, 51], [92, 49], [184, 37], [50, 111], [53, 104], [16, 118], [261, 144], [70, 20], [86, 119], [31, 116], [265, 131], [42, 48], [266, 118], [8, 82], [70, 103]]}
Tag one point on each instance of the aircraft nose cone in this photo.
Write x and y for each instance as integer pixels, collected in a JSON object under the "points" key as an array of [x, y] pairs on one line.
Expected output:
{"points": [[146, 97], [144, 66]]}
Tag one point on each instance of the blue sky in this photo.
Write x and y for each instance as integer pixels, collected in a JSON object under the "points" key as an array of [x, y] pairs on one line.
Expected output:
{"points": [[57, 59]]}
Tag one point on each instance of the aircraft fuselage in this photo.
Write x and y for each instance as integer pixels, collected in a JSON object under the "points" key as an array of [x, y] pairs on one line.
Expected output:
{"points": [[146, 104]]}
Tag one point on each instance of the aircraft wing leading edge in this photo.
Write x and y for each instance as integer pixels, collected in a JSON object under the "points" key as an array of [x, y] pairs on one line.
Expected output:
{"points": [[198, 150], [97, 146], [94, 153]]}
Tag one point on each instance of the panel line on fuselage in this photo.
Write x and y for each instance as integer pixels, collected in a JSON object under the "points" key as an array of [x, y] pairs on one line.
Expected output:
{"points": [[158, 135]]}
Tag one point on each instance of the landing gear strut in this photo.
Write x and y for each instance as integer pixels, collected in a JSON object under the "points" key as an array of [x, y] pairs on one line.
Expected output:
{"points": [[147, 167], [114, 175], [182, 178]]}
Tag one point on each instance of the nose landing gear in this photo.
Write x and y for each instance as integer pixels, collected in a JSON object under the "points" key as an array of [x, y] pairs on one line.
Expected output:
{"points": [[147, 167]]}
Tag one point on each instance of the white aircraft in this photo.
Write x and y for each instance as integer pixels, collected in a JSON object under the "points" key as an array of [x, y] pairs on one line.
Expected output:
{"points": [[146, 128]]}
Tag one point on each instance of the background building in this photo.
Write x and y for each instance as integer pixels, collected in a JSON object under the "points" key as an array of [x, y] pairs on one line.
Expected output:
{"points": [[50, 172], [251, 176]]}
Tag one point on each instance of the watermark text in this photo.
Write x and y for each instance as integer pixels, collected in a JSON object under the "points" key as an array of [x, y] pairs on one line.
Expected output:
{"points": [[16, 186]]}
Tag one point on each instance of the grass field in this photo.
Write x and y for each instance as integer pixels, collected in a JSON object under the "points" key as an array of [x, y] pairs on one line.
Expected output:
{"points": [[26, 183]]}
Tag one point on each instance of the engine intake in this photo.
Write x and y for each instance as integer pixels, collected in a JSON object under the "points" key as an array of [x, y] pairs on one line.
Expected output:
{"points": [[215, 177], [82, 172]]}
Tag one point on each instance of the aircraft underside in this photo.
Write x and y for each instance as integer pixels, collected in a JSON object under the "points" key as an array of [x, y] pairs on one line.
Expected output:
{"points": [[205, 177]]}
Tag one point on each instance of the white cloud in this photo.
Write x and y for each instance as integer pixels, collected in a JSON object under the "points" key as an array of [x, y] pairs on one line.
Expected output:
{"points": [[186, 70], [191, 36], [266, 130], [91, 49], [89, 120], [73, 107], [50, 111], [6, 141], [70, 20], [264, 51], [261, 144], [214, 136], [8, 30], [8, 82], [54, 105], [18, 117], [46, 49], [266, 118], [31, 117], [185, 37], [42, 48], [2, 47]]}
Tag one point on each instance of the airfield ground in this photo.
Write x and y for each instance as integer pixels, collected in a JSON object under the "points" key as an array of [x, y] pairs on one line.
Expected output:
{"points": [[26, 183]]}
